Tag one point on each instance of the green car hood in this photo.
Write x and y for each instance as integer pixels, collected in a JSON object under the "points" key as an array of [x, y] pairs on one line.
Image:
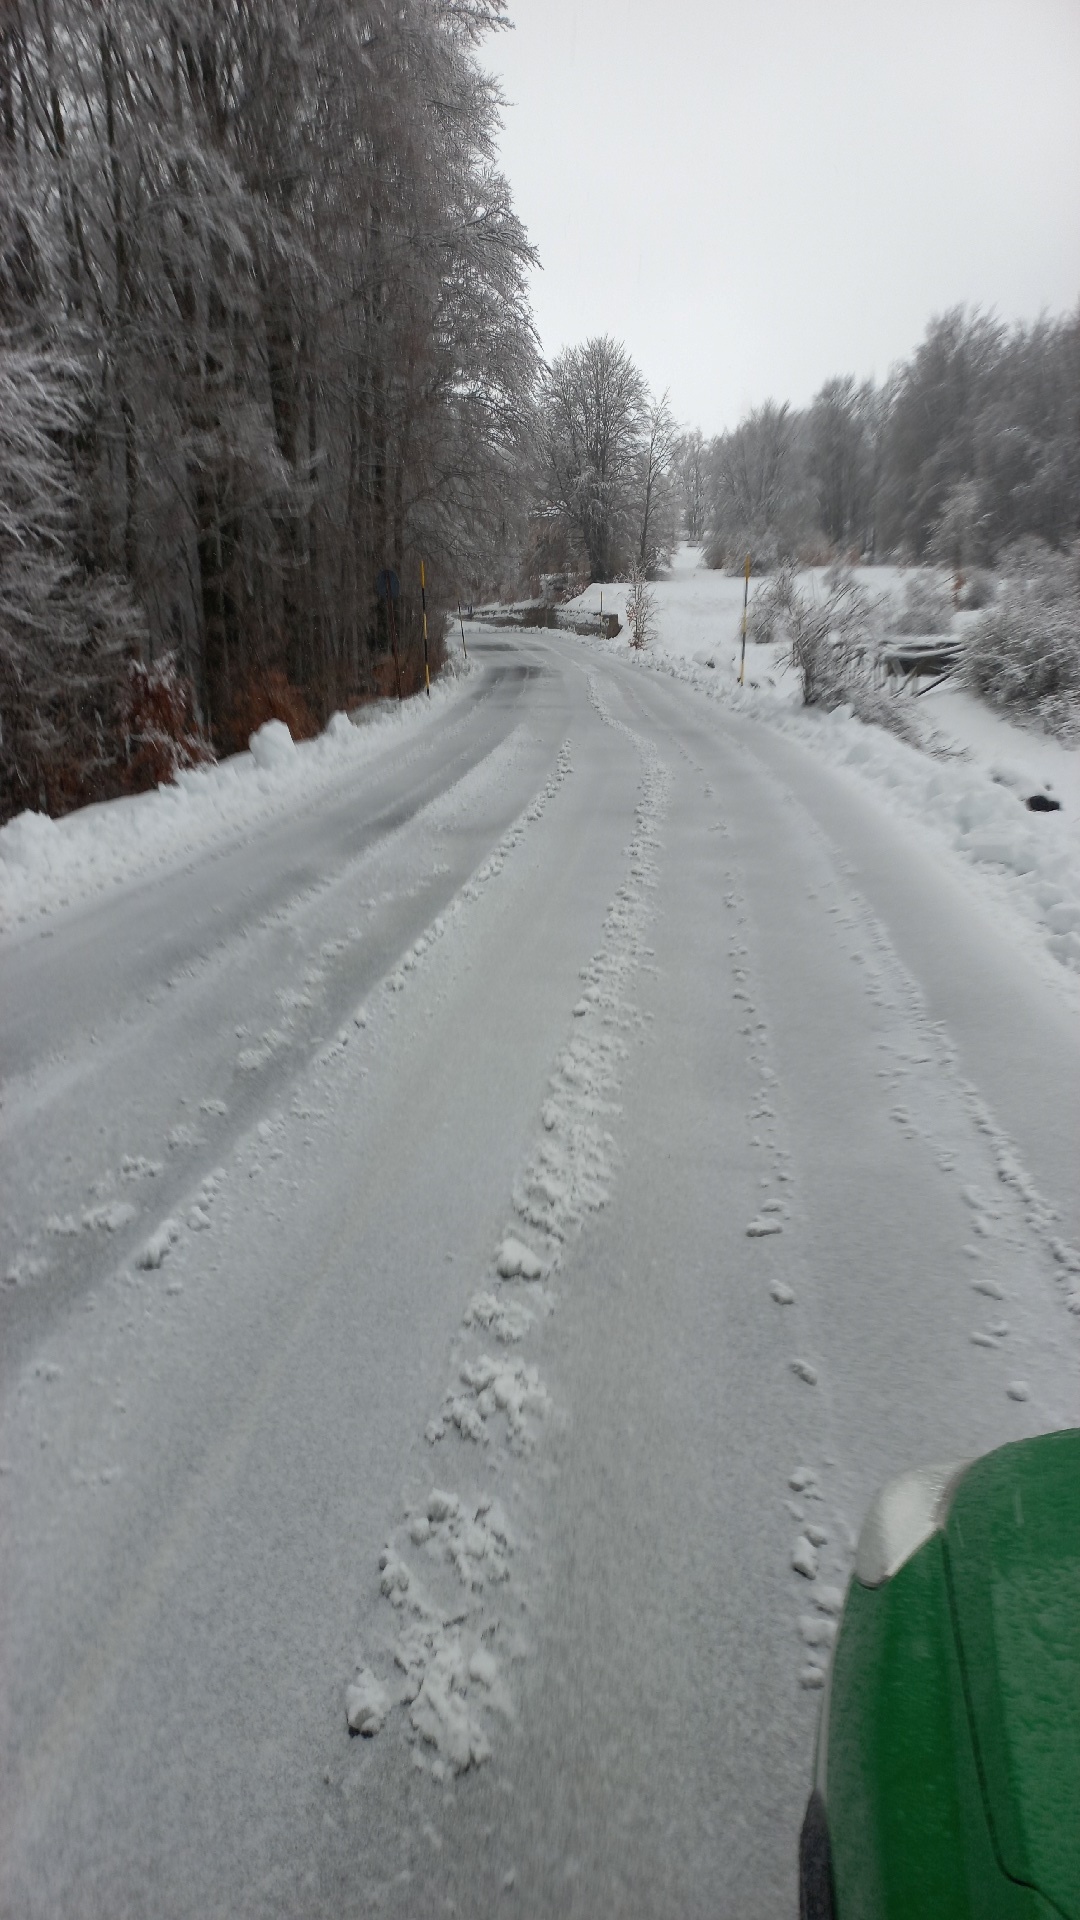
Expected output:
{"points": [[1012, 1542]]}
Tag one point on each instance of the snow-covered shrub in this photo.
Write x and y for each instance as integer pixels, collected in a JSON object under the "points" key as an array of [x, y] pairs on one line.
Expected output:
{"points": [[726, 551], [640, 610], [978, 590], [1025, 652], [833, 644], [817, 550], [926, 606]]}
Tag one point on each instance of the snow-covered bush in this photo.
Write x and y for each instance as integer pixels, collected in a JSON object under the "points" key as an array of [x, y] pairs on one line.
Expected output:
{"points": [[640, 610], [1025, 652], [726, 551], [926, 606], [833, 644], [978, 590]]}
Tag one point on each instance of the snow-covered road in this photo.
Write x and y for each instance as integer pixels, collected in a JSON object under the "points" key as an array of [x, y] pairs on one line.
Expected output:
{"points": [[473, 1250]]}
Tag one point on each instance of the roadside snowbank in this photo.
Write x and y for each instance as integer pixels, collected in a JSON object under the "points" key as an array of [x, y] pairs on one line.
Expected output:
{"points": [[47, 864]]}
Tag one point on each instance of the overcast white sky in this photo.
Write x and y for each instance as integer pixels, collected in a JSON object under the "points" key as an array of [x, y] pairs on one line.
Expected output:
{"points": [[755, 196]]}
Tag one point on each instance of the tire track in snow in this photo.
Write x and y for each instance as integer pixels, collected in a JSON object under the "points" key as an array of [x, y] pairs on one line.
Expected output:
{"points": [[1015, 1246], [821, 1554], [120, 1196], [1012, 1253], [820, 1551], [457, 1633], [149, 1289]]}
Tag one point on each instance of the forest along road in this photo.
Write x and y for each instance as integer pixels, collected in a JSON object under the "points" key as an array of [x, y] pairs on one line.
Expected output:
{"points": [[473, 1250]]}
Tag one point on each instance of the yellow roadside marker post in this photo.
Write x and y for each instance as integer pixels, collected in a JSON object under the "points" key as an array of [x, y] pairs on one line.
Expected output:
{"points": [[423, 604], [745, 599]]}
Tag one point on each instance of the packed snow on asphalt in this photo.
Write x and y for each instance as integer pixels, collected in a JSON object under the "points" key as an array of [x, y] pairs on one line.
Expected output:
{"points": [[482, 1215]]}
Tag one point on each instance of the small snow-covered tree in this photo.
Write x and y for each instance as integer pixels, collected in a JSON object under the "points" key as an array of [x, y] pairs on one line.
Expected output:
{"points": [[1024, 652], [658, 505], [640, 610]]}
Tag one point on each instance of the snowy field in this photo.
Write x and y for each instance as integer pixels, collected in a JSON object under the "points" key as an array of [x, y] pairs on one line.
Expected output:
{"points": [[477, 1231]]}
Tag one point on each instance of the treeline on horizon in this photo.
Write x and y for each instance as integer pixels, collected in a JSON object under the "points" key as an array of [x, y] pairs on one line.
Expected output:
{"points": [[265, 332], [968, 447]]}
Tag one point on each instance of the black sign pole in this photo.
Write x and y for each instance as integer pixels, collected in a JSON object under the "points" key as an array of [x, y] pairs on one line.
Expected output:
{"points": [[392, 624], [423, 604]]}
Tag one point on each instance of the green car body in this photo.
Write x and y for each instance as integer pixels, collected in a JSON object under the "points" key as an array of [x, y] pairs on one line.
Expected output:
{"points": [[948, 1763]]}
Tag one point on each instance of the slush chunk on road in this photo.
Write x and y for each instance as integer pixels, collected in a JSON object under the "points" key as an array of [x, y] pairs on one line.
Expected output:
{"points": [[990, 1288], [440, 1712], [514, 1258], [829, 1599], [484, 1667], [781, 1293], [817, 1629], [1018, 1390], [509, 1320], [157, 1247], [804, 1558], [111, 1215], [804, 1371], [367, 1703], [760, 1227]]}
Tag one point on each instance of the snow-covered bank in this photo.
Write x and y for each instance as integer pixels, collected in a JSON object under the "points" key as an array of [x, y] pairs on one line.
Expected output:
{"points": [[47, 864], [967, 785]]}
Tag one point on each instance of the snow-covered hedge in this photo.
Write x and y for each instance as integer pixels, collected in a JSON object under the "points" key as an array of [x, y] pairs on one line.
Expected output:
{"points": [[834, 644], [1025, 651]]}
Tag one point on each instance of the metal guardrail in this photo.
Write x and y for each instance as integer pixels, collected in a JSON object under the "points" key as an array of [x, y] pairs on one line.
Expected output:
{"points": [[935, 660]]}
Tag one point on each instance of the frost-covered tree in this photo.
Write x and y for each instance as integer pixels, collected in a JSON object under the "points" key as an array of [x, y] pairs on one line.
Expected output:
{"points": [[657, 489], [273, 239], [594, 424], [930, 441], [842, 447], [64, 630], [691, 467], [757, 491]]}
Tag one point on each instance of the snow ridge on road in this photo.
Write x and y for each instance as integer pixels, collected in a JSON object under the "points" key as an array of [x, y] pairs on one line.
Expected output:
{"points": [[458, 1631]]}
